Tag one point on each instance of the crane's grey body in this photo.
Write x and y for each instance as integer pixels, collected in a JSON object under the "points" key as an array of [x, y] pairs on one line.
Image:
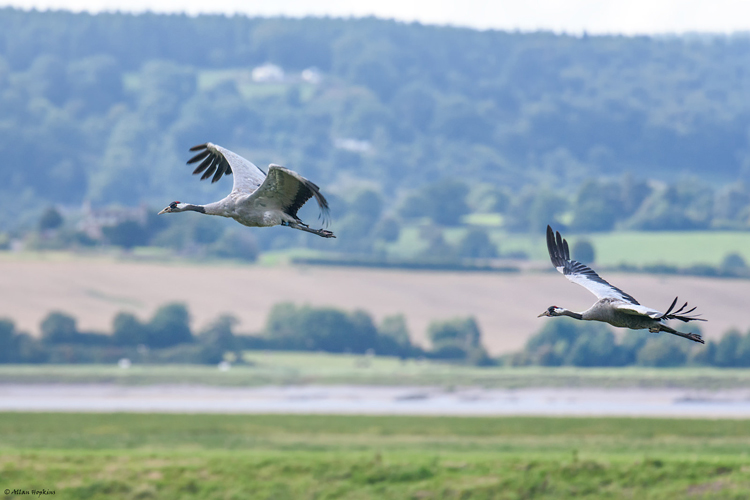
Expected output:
{"points": [[608, 310], [257, 199], [614, 306], [247, 216], [250, 212]]}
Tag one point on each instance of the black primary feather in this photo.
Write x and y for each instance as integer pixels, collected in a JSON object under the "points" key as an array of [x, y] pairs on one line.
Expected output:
{"points": [[305, 191], [223, 167], [557, 259], [199, 156], [208, 173], [214, 163], [203, 166]]}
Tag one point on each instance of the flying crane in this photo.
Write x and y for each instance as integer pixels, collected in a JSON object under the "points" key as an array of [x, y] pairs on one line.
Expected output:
{"points": [[257, 199], [614, 306]]}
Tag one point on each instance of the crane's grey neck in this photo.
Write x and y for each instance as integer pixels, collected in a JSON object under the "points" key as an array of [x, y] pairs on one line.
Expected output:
{"points": [[572, 314], [195, 208]]}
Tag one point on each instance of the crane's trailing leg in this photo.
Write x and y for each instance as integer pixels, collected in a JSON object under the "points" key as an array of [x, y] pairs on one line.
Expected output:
{"points": [[692, 336], [303, 227]]}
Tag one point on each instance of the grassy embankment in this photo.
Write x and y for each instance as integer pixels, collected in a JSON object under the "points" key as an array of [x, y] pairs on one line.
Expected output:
{"points": [[279, 368], [105, 456]]}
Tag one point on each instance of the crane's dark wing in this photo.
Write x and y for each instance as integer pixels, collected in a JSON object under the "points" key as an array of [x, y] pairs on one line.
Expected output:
{"points": [[218, 161], [579, 273], [287, 190]]}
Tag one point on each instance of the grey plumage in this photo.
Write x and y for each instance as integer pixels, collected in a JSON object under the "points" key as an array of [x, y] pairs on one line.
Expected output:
{"points": [[614, 305]]}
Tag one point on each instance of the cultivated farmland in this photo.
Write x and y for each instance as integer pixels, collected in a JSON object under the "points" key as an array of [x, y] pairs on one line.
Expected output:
{"points": [[505, 305]]}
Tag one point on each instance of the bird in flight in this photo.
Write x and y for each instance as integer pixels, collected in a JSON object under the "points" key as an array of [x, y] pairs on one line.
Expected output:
{"points": [[614, 306], [257, 199]]}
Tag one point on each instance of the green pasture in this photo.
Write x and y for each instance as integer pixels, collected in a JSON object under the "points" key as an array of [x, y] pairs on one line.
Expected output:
{"points": [[282, 368], [141, 456], [683, 248], [677, 248]]}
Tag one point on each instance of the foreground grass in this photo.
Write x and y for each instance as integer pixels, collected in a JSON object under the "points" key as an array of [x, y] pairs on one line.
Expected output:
{"points": [[281, 368], [101, 456], [362, 476]]}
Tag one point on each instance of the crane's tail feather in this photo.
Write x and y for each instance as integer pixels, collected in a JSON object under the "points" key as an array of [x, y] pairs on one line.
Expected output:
{"points": [[669, 310], [680, 313]]}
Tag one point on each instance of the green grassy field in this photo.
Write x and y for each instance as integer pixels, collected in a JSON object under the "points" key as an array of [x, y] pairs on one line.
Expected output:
{"points": [[281, 368], [105, 456], [678, 248], [683, 248], [637, 248]]}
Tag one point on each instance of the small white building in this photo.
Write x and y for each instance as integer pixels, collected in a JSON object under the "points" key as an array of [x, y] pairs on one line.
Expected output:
{"points": [[354, 145], [94, 219], [312, 75], [268, 73]]}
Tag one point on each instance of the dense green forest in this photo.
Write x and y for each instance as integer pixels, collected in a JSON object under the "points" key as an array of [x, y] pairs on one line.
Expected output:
{"points": [[395, 121]]}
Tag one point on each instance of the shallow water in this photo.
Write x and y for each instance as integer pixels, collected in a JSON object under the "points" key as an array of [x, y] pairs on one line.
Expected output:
{"points": [[377, 400]]}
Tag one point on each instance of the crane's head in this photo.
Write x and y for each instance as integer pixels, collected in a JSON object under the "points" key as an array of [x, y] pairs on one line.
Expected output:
{"points": [[175, 206], [552, 311]]}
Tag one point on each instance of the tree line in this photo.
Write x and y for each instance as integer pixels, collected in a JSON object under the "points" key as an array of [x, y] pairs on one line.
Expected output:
{"points": [[167, 337], [564, 342], [367, 226]]}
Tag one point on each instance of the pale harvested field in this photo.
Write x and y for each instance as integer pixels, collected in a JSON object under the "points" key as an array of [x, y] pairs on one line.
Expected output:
{"points": [[506, 305]]}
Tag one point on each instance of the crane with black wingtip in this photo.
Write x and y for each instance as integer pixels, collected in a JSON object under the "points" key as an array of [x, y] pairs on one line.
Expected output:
{"points": [[614, 306], [257, 199]]}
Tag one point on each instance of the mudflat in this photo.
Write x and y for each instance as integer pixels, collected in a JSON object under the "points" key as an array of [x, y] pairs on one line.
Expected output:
{"points": [[377, 400]]}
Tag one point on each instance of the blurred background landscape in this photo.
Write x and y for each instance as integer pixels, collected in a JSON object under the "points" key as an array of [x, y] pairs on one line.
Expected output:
{"points": [[438, 148], [444, 153]]}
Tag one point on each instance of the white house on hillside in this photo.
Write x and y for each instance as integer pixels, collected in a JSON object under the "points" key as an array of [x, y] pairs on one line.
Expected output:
{"points": [[268, 73]]}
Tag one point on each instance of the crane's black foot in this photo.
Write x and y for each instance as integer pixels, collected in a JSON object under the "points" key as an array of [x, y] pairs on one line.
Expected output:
{"points": [[304, 227], [695, 337], [325, 234]]}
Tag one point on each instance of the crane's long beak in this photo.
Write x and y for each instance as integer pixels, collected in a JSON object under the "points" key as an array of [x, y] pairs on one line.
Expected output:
{"points": [[163, 211], [545, 313]]}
